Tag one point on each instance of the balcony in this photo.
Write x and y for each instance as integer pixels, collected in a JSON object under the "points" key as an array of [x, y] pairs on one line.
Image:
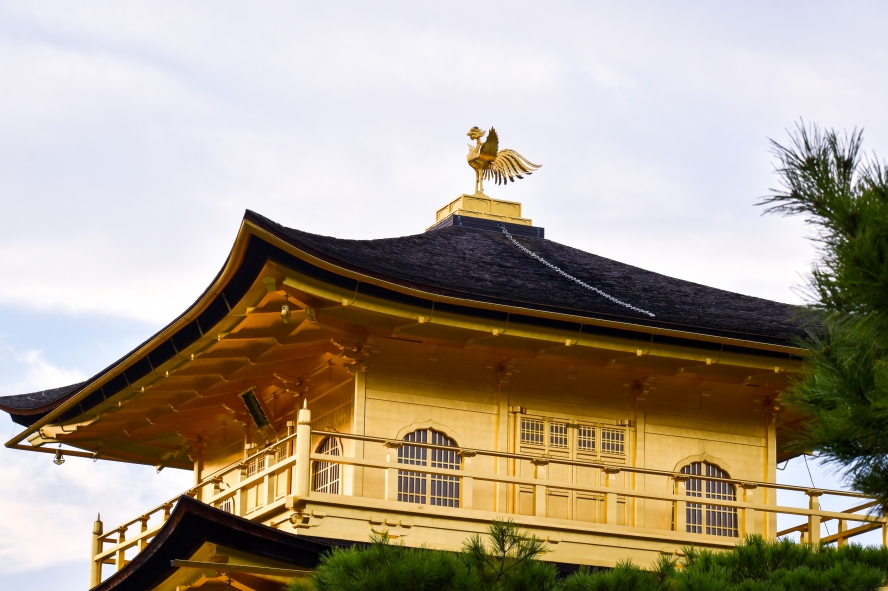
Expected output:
{"points": [[284, 485]]}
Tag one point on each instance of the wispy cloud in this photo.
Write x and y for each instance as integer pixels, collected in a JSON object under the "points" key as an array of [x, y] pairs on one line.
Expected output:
{"points": [[134, 137], [66, 498], [48, 510], [30, 371]]}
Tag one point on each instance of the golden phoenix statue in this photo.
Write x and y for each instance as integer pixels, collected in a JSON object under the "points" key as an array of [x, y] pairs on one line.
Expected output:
{"points": [[490, 162]]}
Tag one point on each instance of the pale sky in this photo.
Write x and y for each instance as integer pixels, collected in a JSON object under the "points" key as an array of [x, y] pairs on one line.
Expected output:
{"points": [[133, 136]]}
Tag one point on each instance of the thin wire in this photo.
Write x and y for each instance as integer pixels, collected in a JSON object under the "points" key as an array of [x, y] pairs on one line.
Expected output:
{"points": [[571, 277], [805, 457]]}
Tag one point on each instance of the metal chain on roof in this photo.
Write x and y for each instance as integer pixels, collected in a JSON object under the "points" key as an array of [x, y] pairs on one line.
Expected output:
{"points": [[571, 277]]}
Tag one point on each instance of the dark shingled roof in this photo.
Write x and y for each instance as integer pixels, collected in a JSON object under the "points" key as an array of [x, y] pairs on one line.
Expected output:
{"points": [[484, 266], [25, 404], [481, 266]]}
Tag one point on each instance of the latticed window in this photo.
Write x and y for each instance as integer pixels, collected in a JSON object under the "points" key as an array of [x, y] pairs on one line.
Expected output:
{"points": [[256, 464], [532, 431], [585, 438], [613, 441], [714, 520], [557, 434], [432, 489], [227, 505], [282, 452], [325, 475]]}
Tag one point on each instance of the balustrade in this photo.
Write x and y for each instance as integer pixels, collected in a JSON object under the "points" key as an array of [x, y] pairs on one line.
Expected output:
{"points": [[257, 488]]}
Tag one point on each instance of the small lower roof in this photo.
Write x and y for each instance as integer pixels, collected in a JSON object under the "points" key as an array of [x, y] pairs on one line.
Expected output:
{"points": [[192, 524]]}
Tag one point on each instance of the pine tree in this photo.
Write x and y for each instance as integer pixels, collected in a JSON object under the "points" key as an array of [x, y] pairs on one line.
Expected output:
{"points": [[507, 561], [753, 565], [844, 388]]}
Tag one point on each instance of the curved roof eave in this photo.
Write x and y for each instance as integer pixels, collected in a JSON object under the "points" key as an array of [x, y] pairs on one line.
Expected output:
{"points": [[239, 272], [28, 417]]}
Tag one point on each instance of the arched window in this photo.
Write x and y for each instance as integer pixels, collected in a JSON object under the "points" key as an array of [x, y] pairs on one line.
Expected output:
{"points": [[713, 520], [325, 475], [431, 489]]}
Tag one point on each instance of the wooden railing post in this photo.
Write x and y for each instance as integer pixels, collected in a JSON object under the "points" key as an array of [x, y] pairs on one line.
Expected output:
{"points": [[143, 527], [303, 452], [842, 540], [748, 525], [120, 560], [196, 455], [291, 429], [270, 479], [240, 496], [539, 490], [391, 473], [610, 498], [96, 547], [468, 483], [681, 506], [813, 520]]}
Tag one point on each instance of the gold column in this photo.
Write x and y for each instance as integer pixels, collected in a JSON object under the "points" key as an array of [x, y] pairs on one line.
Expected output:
{"points": [[770, 494], [303, 452], [638, 461], [96, 547], [355, 474]]}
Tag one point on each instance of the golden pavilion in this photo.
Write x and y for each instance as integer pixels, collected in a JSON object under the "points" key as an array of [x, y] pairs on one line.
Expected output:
{"points": [[323, 389]]}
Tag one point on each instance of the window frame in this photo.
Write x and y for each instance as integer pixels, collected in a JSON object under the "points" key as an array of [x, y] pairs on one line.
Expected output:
{"points": [[711, 520], [330, 473], [422, 488], [539, 438]]}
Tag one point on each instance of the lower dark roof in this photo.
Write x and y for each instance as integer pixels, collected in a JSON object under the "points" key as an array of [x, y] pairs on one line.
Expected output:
{"points": [[192, 524]]}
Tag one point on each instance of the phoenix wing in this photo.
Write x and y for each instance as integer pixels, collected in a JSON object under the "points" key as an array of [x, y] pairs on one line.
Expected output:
{"points": [[509, 165], [490, 146]]}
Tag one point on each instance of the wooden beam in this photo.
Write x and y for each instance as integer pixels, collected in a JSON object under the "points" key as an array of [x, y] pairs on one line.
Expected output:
{"points": [[240, 568]]}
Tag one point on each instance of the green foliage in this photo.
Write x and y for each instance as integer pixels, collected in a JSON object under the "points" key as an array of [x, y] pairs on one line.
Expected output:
{"points": [[626, 576], [844, 390], [757, 564], [754, 565], [507, 561], [382, 566]]}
